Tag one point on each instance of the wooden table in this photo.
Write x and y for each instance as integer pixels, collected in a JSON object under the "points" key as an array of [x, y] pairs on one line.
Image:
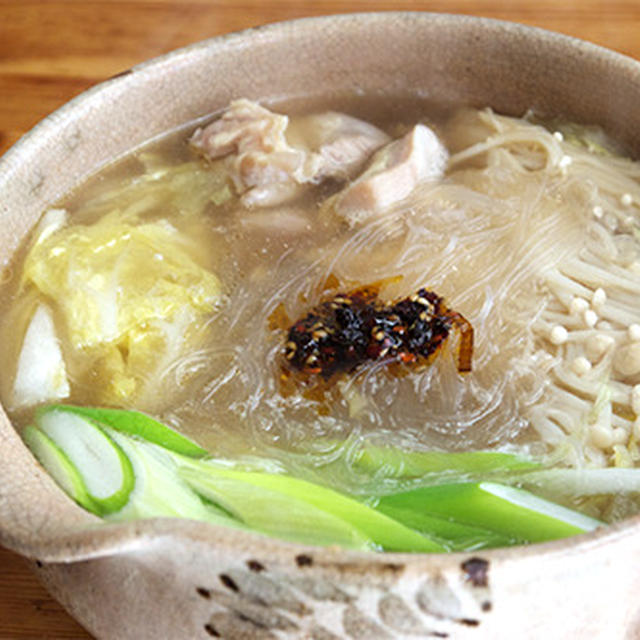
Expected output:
{"points": [[51, 50]]}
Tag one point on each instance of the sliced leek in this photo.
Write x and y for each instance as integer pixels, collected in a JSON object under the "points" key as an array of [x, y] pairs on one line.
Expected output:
{"points": [[125, 465], [105, 469], [137, 424], [508, 511]]}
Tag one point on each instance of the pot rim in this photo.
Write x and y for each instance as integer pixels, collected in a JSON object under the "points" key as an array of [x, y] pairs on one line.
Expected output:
{"points": [[237, 38]]}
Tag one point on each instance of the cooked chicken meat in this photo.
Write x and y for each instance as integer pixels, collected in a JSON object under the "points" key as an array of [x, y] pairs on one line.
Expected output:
{"points": [[392, 174], [269, 157], [344, 143]]}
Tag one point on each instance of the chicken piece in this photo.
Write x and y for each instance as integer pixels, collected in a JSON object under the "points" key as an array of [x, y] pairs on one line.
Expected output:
{"points": [[393, 173], [269, 158], [344, 143], [244, 126], [264, 168]]}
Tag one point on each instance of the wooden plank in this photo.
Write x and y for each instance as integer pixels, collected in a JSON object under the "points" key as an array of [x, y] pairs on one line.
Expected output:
{"points": [[26, 609], [52, 50]]}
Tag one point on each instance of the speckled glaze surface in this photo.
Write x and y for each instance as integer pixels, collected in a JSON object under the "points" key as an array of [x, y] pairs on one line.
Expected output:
{"points": [[182, 579]]}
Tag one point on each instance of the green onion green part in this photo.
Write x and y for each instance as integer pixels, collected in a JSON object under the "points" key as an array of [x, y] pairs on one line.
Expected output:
{"points": [[124, 465], [508, 511], [137, 424]]}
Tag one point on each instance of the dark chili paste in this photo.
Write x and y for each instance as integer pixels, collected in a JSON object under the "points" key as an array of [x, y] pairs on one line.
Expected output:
{"points": [[340, 334]]}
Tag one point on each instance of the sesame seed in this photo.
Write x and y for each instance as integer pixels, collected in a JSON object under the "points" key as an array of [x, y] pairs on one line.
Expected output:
{"points": [[580, 366], [423, 301], [558, 136], [598, 211], [626, 199], [558, 335]]}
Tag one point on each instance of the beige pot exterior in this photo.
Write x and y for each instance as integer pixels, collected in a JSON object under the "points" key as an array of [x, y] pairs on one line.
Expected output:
{"points": [[181, 579]]}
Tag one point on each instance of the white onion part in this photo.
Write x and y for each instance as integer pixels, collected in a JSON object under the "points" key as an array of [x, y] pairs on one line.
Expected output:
{"points": [[41, 374]]}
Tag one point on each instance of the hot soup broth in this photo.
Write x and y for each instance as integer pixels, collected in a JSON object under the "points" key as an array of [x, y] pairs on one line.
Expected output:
{"points": [[168, 284]]}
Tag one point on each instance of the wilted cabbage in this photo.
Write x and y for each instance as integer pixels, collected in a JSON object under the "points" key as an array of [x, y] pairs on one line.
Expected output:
{"points": [[130, 296]]}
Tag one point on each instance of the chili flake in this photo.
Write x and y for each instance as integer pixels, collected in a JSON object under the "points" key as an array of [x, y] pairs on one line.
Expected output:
{"points": [[342, 333]]}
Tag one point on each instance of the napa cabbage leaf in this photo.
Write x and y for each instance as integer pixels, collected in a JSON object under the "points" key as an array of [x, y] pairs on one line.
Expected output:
{"points": [[129, 295]]}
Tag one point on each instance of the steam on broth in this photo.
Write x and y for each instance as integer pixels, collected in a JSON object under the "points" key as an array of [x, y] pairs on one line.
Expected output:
{"points": [[167, 285]]}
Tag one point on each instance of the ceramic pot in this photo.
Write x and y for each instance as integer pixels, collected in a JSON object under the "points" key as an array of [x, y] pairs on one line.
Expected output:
{"points": [[182, 579]]}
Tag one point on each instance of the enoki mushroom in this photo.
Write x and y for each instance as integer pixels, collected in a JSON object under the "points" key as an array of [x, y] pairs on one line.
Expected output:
{"points": [[342, 333]]}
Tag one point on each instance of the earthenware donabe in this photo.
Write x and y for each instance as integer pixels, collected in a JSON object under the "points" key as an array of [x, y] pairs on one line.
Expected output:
{"points": [[181, 579]]}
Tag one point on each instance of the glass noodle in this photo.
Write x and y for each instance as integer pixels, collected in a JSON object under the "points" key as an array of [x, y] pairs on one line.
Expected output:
{"points": [[529, 224]]}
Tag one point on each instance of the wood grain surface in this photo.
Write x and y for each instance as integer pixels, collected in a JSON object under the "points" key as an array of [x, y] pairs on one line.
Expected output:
{"points": [[52, 50]]}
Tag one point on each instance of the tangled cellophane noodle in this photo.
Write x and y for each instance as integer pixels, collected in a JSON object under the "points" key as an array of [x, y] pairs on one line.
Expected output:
{"points": [[588, 410], [523, 223]]}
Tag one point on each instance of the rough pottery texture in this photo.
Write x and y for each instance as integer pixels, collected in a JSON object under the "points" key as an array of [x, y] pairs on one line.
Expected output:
{"points": [[181, 579], [243, 587]]}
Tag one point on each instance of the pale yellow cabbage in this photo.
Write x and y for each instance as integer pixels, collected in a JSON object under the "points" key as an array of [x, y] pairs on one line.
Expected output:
{"points": [[130, 296], [184, 190]]}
